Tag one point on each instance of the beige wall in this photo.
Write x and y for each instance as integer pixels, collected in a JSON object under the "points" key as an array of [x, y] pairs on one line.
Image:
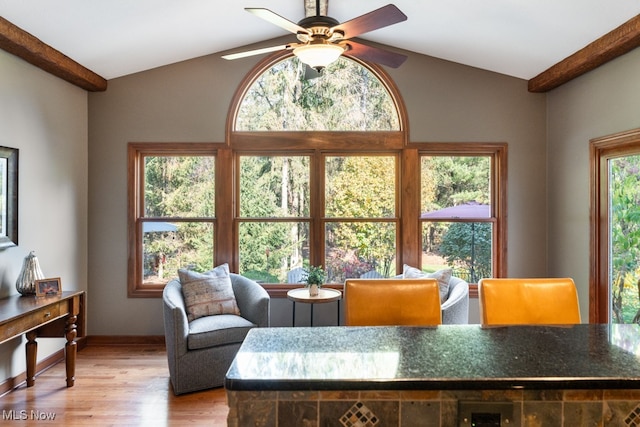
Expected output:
{"points": [[602, 102], [188, 102], [46, 119]]}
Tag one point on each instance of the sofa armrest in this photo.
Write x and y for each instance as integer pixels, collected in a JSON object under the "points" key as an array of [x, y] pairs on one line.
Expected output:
{"points": [[252, 299], [176, 325]]}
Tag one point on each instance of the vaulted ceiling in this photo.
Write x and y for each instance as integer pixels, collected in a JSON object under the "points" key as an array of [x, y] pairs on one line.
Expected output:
{"points": [[514, 37]]}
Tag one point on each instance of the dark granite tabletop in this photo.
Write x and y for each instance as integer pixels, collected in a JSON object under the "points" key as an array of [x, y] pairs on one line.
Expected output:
{"points": [[437, 358]]}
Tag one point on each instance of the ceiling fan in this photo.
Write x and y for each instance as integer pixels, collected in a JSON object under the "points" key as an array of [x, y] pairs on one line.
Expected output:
{"points": [[323, 39]]}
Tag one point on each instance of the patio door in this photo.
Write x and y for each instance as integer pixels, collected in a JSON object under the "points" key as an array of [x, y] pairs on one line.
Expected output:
{"points": [[615, 239]]}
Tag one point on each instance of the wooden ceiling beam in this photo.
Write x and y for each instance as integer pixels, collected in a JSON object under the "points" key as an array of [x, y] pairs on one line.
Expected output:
{"points": [[616, 43], [23, 45]]}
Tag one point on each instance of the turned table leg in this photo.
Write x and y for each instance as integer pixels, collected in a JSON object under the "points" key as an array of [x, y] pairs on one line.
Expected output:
{"points": [[32, 354], [70, 349]]}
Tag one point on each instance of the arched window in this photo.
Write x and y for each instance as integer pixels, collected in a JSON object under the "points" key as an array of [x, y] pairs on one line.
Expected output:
{"points": [[306, 144], [289, 96]]}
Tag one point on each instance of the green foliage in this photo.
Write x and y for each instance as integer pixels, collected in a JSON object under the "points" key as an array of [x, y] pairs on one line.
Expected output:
{"points": [[179, 188], [347, 96], [313, 275], [274, 186], [274, 190], [357, 187], [361, 188], [360, 199], [450, 181], [457, 180], [469, 245], [624, 190]]}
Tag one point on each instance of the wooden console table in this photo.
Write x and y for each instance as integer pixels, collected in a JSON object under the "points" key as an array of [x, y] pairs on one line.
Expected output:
{"points": [[49, 316]]}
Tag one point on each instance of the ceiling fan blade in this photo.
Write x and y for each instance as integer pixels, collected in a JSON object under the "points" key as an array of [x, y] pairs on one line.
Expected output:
{"points": [[276, 19], [379, 18], [374, 54], [256, 52]]}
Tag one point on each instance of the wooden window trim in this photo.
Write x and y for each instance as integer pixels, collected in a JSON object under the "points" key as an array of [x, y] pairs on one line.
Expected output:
{"points": [[601, 150], [317, 220], [317, 145], [136, 152], [499, 154], [234, 138], [408, 200], [395, 219]]}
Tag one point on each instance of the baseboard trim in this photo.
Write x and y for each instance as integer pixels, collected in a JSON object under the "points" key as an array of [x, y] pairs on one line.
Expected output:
{"points": [[116, 340], [13, 383]]}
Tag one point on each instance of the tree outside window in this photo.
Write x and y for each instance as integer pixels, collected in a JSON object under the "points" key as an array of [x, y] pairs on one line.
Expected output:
{"points": [[345, 97], [273, 228], [457, 220], [173, 216], [624, 194], [360, 211], [311, 174]]}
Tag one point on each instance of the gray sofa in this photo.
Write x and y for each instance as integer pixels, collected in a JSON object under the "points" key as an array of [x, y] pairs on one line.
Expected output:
{"points": [[200, 352]]}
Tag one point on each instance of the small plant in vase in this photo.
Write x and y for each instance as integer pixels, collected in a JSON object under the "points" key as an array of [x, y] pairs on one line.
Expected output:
{"points": [[313, 279]]}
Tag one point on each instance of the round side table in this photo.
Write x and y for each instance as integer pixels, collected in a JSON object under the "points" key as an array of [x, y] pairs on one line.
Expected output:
{"points": [[324, 295]]}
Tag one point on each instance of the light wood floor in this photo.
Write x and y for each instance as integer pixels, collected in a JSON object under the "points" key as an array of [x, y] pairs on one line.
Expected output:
{"points": [[115, 386]]}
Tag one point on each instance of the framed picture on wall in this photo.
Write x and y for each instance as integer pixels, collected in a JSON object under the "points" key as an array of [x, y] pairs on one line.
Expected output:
{"points": [[46, 287], [8, 197]]}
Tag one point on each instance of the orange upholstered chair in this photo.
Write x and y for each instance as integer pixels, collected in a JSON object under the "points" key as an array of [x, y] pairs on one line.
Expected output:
{"points": [[392, 302], [528, 301]]}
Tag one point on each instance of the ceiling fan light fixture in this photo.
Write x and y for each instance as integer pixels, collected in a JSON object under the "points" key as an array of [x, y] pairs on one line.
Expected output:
{"points": [[318, 55], [323, 39]]}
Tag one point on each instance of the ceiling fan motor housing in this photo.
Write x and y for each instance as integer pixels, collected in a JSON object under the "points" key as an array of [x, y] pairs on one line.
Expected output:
{"points": [[319, 26], [318, 21]]}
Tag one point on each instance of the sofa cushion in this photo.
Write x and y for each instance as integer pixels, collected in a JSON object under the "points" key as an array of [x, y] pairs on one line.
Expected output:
{"points": [[442, 276], [207, 294], [212, 331]]}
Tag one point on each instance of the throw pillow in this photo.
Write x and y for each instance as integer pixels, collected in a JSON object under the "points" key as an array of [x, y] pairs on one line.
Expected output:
{"points": [[208, 294], [442, 276]]}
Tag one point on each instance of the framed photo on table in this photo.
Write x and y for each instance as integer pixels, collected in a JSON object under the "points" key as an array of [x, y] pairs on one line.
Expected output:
{"points": [[46, 287]]}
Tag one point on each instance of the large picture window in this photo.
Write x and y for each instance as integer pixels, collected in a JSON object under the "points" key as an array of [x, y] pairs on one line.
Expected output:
{"points": [[291, 188], [358, 219]]}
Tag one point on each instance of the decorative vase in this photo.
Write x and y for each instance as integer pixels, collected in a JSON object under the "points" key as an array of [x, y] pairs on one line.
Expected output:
{"points": [[29, 274], [313, 290]]}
